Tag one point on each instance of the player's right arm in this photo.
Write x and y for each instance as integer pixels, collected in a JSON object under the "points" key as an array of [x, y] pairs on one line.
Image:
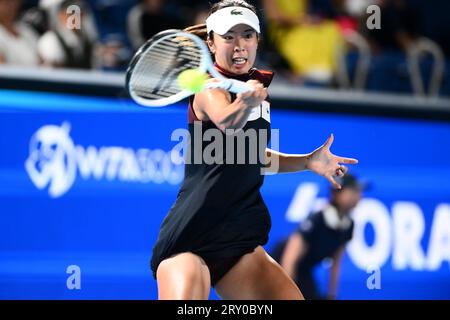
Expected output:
{"points": [[216, 105]]}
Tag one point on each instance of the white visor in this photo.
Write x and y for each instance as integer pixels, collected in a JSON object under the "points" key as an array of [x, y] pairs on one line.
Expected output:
{"points": [[224, 19]]}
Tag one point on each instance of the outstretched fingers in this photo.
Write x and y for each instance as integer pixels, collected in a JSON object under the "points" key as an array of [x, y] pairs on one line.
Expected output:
{"points": [[347, 160], [341, 171], [329, 141], [333, 182]]}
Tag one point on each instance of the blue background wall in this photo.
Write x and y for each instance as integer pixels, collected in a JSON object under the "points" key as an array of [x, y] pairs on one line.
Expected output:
{"points": [[107, 183]]}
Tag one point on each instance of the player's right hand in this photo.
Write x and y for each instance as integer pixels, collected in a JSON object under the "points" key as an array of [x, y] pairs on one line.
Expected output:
{"points": [[255, 97]]}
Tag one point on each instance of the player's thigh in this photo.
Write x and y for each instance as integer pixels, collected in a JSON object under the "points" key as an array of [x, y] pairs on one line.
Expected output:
{"points": [[183, 276], [257, 276]]}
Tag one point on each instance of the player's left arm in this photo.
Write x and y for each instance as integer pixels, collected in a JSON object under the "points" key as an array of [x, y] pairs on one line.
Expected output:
{"points": [[320, 161], [287, 162]]}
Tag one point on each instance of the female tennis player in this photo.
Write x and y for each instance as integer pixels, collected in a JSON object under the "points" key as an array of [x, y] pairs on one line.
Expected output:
{"points": [[214, 233]]}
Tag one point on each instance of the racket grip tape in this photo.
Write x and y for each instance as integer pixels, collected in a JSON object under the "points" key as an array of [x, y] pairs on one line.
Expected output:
{"points": [[237, 86]]}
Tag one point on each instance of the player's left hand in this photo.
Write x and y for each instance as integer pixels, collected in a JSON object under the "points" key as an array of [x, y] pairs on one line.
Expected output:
{"points": [[324, 163]]}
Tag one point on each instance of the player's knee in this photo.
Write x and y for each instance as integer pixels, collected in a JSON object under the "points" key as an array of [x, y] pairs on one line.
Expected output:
{"points": [[183, 278]]}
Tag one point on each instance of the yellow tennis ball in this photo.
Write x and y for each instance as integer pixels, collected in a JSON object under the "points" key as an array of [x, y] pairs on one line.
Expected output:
{"points": [[192, 79]]}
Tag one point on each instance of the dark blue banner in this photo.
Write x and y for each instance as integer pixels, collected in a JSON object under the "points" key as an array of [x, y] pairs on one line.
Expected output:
{"points": [[85, 183]]}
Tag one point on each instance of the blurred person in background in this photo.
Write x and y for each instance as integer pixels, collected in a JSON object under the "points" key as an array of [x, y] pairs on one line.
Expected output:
{"points": [[36, 15], [324, 234], [407, 28], [65, 45], [18, 42], [306, 35], [112, 53], [399, 26], [147, 19]]}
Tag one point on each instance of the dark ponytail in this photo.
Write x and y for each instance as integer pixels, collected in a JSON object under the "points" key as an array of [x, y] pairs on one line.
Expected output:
{"points": [[199, 30]]}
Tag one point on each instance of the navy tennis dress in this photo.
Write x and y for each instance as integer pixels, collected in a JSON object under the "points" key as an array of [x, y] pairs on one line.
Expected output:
{"points": [[219, 213]]}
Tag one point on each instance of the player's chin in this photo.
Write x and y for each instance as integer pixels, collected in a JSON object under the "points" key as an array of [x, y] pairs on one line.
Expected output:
{"points": [[241, 68]]}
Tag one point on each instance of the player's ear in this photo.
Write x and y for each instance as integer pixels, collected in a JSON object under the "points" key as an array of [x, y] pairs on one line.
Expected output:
{"points": [[211, 45]]}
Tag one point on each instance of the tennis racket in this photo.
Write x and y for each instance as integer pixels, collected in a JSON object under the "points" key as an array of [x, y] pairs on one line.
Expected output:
{"points": [[152, 76]]}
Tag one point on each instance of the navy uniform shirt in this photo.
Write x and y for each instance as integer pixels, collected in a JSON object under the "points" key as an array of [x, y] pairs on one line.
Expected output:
{"points": [[323, 233]]}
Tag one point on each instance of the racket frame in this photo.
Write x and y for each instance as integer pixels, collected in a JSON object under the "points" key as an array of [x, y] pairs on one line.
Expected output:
{"points": [[206, 65]]}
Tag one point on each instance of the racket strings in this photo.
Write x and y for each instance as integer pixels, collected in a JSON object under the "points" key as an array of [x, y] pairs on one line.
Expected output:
{"points": [[155, 75]]}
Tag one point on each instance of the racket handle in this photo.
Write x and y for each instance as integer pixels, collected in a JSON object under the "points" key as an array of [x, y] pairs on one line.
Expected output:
{"points": [[231, 85], [237, 86]]}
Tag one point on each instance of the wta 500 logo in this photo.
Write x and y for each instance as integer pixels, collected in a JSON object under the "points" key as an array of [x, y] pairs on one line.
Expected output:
{"points": [[54, 161]]}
